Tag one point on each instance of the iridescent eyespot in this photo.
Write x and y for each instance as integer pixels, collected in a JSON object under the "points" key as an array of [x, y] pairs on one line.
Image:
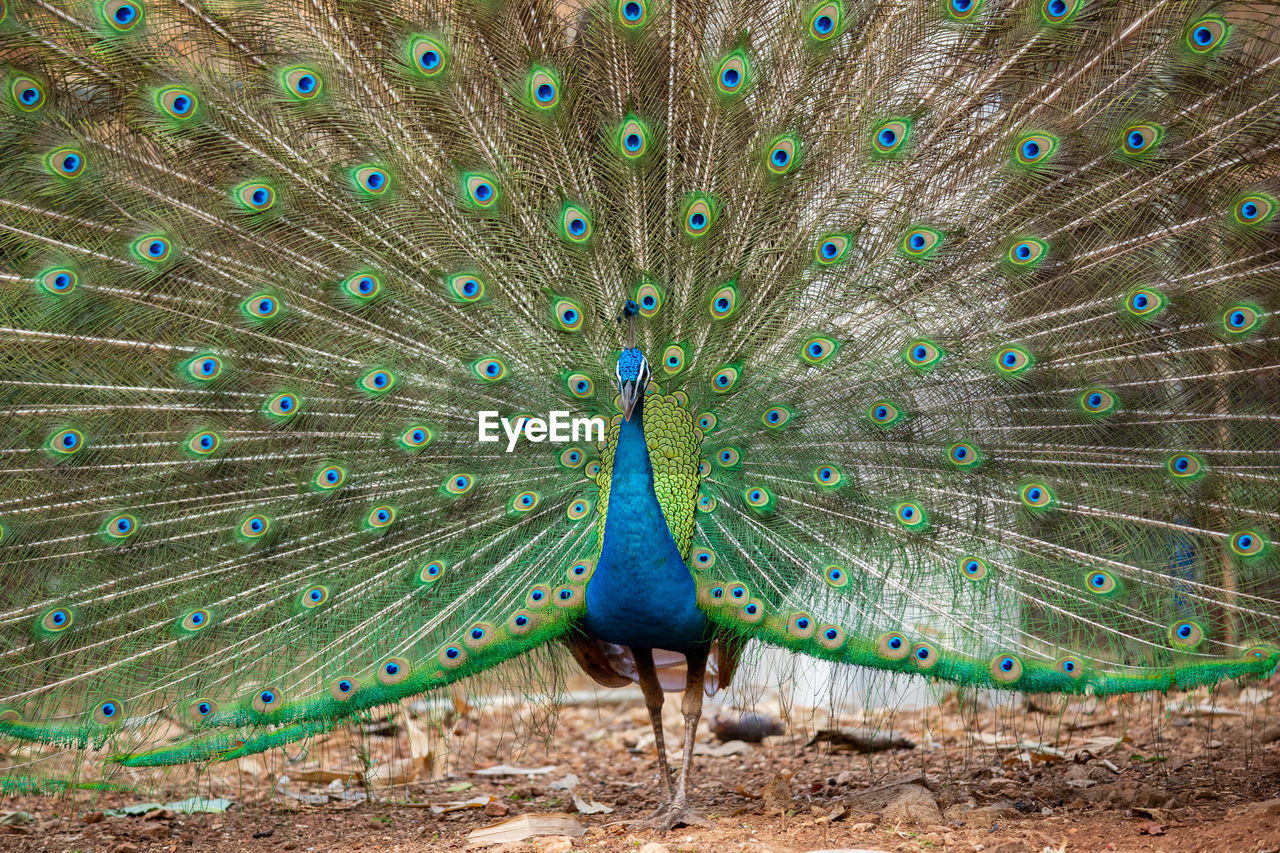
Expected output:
{"points": [[1006, 669], [824, 22], [121, 527], [962, 454], [543, 88], [776, 417], [739, 593], [884, 413], [633, 138], [782, 155], [1247, 543], [478, 635], [362, 287], [1059, 11], [459, 484], [343, 688], [28, 95], [393, 671], [818, 350], [451, 657], [66, 442], [831, 249], [1012, 361], [973, 568], [1140, 140], [724, 379], [480, 190], [1207, 34], [1036, 495], [922, 355], [728, 457], [567, 314], [579, 385], [575, 223], [962, 10], [836, 576], [59, 281], [924, 655], [698, 216], [707, 503], [201, 708], [707, 422], [261, 306], [580, 572], [893, 646], [648, 297], [176, 102], [1185, 634], [1027, 252], [465, 287], [888, 138], [1241, 319], [330, 477], [313, 597], [283, 405], [122, 15], [203, 443], [1034, 149], [490, 369], [108, 713], [65, 162], [1098, 402], [524, 502], [801, 626], [57, 620], [920, 243], [1254, 209], [702, 558], [592, 470], [380, 516], [204, 368], [153, 249], [910, 515], [632, 13], [733, 73], [723, 301], [415, 437], [578, 509], [1070, 666], [571, 458], [1101, 583], [828, 476], [1185, 466], [565, 596], [1144, 302], [377, 381], [704, 468], [759, 499], [753, 612], [521, 622], [427, 55], [255, 527], [431, 572], [372, 180], [255, 196], [301, 83]]}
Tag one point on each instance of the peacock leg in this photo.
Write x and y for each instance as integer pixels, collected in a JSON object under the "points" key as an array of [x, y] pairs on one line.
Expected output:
{"points": [[653, 699], [678, 812]]}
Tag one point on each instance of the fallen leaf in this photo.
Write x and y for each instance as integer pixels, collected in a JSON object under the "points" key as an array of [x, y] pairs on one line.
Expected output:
{"points": [[508, 770], [527, 826]]}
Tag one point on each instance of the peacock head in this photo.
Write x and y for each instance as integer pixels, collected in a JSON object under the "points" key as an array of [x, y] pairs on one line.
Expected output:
{"points": [[633, 375]]}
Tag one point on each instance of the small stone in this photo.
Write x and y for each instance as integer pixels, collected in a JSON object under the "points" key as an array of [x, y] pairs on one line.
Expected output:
{"points": [[912, 806], [654, 847], [553, 844], [93, 817], [496, 809], [154, 830]]}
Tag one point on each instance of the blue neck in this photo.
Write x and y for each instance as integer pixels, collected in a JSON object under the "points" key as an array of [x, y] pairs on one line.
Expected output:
{"points": [[641, 593]]}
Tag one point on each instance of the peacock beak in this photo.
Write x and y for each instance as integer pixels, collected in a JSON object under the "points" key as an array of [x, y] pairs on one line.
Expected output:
{"points": [[631, 394]]}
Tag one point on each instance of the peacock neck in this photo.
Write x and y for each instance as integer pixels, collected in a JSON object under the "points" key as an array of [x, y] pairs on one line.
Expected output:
{"points": [[641, 593]]}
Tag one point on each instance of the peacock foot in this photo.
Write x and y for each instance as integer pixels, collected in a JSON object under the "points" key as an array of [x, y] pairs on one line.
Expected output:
{"points": [[670, 815]]}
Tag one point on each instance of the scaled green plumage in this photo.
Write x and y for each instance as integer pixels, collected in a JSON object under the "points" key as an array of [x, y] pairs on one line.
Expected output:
{"points": [[966, 311]]}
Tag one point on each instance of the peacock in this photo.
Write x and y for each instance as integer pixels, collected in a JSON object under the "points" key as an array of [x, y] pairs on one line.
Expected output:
{"points": [[936, 337]]}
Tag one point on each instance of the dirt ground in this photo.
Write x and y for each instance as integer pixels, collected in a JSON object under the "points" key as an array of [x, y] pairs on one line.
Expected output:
{"points": [[1199, 772]]}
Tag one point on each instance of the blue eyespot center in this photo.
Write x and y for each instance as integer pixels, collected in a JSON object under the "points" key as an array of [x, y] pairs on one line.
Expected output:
{"points": [[259, 196], [265, 306], [1034, 494], [1057, 7], [206, 441], [59, 616], [888, 137], [1203, 35], [30, 96], [830, 250], [429, 59], [922, 654], [125, 14], [522, 621], [882, 412], [204, 708], [451, 653], [483, 192], [306, 83], [780, 157], [1237, 318], [577, 226], [895, 642], [823, 24], [731, 77], [1249, 209], [366, 285], [1031, 149], [108, 709], [1023, 251], [919, 353], [155, 248], [545, 92], [461, 482], [917, 241], [825, 474], [123, 525], [1007, 664], [697, 220], [961, 5], [267, 697], [286, 404], [631, 11], [1140, 301], [181, 104], [1137, 140], [632, 142], [1010, 359]]}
